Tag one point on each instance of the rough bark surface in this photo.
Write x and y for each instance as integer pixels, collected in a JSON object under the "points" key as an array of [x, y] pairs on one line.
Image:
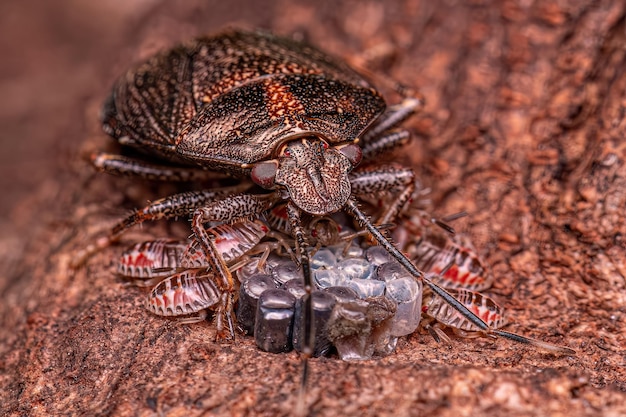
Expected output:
{"points": [[524, 129]]}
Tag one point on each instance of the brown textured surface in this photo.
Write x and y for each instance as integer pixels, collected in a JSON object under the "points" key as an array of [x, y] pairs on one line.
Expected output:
{"points": [[524, 129]]}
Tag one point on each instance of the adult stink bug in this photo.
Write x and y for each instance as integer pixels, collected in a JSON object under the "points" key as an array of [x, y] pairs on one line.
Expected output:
{"points": [[287, 119]]}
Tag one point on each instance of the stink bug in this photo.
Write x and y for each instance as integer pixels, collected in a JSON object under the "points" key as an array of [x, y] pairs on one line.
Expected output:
{"points": [[282, 115], [185, 283], [290, 121]]}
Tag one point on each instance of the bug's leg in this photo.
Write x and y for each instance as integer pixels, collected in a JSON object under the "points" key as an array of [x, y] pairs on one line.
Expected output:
{"points": [[129, 167], [308, 345], [365, 222], [384, 143], [142, 283], [192, 319], [392, 117], [387, 178], [437, 333], [468, 335], [177, 205], [229, 209], [382, 137], [450, 300], [283, 245]]}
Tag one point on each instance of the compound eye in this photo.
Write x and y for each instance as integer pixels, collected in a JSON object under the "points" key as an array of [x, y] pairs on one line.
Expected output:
{"points": [[264, 173], [323, 145], [285, 151]]}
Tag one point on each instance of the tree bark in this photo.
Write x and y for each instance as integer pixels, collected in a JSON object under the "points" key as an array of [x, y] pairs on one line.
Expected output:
{"points": [[524, 129]]}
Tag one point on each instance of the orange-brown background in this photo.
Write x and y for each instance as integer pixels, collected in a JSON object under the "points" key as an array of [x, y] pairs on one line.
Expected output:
{"points": [[524, 128]]}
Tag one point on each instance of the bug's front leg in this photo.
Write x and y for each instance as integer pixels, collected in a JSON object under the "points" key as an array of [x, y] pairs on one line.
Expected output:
{"points": [[385, 179], [229, 209], [177, 205]]}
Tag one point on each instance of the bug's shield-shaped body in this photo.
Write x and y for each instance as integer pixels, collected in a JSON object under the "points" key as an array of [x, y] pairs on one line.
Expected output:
{"points": [[233, 99]]}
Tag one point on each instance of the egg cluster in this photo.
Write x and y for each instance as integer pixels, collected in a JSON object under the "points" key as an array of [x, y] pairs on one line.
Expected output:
{"points": [[362, 302]]}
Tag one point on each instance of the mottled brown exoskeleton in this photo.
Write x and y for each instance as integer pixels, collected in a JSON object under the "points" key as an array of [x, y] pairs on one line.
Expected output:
{"points": [[285, 117]]}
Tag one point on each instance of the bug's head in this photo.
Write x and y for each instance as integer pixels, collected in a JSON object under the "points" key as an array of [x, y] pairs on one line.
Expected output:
{"points": [[313, 173]]}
